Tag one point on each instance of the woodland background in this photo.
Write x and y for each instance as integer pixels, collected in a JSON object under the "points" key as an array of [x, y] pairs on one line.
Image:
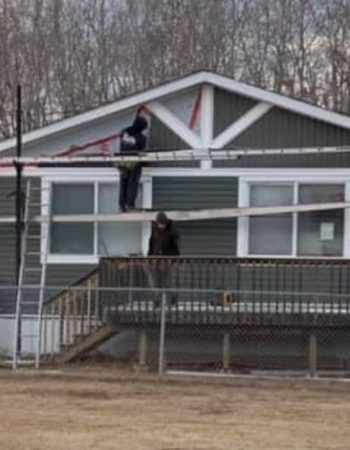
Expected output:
{"points": [[74, 55]]}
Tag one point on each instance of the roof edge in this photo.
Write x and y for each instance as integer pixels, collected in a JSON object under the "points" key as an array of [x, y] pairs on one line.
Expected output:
{"points": [[170, 87]]}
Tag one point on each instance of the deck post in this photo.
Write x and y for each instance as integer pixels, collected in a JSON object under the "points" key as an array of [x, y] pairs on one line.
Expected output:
{"points": [[312, 355], [161, 363], [142, 349], [226, 351]]}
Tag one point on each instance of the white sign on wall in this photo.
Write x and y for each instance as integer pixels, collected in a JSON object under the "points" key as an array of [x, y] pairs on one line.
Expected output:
{"points": [[327, 231]]}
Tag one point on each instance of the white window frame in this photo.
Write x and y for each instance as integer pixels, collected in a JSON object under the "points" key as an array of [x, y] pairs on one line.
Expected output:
{"points": [[94, 179], [244, 199]]}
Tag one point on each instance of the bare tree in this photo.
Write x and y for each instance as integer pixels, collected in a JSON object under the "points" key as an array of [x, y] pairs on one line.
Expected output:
{"points": [[70, 56]]}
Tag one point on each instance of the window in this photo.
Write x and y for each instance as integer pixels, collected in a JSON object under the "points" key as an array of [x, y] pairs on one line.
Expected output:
{"points": [[72, 238], [314, 233], [116, 238], [321, 232], [270, 234], [94, 239]]}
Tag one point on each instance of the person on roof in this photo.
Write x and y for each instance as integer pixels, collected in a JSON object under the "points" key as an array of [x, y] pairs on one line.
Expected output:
{"points": [[132, 140]]}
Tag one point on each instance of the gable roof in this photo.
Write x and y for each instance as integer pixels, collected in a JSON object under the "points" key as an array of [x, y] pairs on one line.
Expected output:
{"points": [[189, 81]]}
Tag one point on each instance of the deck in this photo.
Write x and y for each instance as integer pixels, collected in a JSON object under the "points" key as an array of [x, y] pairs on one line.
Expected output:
{"points": [[227, 291]]}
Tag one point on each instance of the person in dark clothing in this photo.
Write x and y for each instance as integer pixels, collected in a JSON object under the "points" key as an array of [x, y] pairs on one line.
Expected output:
{"points": [[163, 242], [164, 238], [133, 140]]}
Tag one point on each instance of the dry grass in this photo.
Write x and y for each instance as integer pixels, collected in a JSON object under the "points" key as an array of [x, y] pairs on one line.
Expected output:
{"points": [[104, 409]]}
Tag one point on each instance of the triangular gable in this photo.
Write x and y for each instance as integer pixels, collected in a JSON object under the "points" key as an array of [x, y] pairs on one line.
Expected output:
{"points": [[175, 104]]}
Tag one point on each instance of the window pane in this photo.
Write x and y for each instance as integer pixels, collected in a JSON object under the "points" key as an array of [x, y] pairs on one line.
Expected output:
{"points": [[73, 199], [270, 235], [117, 238], [320, 233], [72, 238], [271, 195]]}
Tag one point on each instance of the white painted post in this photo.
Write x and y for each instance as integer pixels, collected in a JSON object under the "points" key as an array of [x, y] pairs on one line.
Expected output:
{"points": [[207, 121]]}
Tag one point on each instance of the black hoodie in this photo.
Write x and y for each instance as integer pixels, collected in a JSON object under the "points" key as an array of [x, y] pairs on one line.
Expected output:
{"points": [[163, 242], [139, 140]]}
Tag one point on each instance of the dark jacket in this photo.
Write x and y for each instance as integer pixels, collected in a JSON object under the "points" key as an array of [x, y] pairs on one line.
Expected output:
{"points": [[135, 139], [163, 242]]}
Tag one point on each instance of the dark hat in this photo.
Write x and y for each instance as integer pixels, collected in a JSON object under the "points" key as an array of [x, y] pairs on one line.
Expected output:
{"points": [[162, 218], [140, 123]]}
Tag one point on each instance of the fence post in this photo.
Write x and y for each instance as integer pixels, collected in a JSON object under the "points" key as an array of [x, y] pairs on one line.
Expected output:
{"points": [[226, 351], [162, 335], [313, 355], [142, 350]]}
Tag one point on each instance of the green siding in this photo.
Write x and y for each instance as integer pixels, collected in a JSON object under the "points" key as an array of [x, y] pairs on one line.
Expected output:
{"points": [[161, 138], [281, 128], [228, 108], [57, 275], [207, 237]]}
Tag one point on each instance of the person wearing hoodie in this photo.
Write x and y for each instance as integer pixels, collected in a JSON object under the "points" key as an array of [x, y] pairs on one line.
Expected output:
{"points": [[133, 140], [164, 241], [164, 238]]}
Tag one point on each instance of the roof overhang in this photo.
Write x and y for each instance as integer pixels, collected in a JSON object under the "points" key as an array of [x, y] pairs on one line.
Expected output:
{"points": [[175, 86]]}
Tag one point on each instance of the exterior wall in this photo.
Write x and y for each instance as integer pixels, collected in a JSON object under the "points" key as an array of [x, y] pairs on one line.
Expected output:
{"points": [[279, 129], [282, 129], [208, 237], [57, 275], [228, 108]]}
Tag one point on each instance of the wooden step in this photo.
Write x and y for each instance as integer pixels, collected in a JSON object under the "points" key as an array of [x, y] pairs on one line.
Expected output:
{"points": [[85, 345]]}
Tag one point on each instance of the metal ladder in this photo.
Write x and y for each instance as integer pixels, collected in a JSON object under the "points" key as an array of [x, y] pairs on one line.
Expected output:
{"points": [[31, 281]]}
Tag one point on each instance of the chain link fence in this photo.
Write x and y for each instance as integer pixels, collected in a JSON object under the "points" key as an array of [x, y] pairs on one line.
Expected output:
{"points": [[203, 315]]}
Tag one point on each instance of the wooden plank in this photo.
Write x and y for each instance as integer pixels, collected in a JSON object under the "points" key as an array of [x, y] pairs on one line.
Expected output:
{"points": [[178, 155], [201, 214], [85, 345]]}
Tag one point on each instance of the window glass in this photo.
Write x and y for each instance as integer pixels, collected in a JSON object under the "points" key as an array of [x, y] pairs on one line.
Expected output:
{"points": [[72, 238], [270, 235], [73, 199], [320, 233], [117, 238]]}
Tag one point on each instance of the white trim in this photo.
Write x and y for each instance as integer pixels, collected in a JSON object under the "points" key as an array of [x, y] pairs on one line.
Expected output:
{"points": [[295, 219], [175, 124], [346, 239], [181, 84], [279, 100], [147, 203], [94, 178], [327, 177], [207, 120], [241, 125], [105, 111]]}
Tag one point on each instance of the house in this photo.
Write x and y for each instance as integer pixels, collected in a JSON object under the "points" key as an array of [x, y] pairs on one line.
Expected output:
{"points": [[202, 110]]}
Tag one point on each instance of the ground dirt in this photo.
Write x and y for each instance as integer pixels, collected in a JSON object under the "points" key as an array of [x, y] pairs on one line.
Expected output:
{"points": [[105, 408]]}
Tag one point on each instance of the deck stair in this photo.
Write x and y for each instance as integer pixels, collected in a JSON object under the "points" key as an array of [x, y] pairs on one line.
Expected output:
{"points": [[73, 322]]}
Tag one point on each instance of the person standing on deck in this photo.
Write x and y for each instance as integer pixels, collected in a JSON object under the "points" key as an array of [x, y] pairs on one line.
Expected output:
{"points": [[133, 140], [164, 238], [164, 241]]}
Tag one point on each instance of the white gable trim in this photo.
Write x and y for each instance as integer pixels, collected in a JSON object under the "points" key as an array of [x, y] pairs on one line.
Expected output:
{"points": [[219, 81], [175, 124], [290, 104], [240, 125]]}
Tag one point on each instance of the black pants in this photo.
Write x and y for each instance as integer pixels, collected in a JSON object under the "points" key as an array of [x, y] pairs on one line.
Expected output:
{"points": [[163, 278], [129, 183]]}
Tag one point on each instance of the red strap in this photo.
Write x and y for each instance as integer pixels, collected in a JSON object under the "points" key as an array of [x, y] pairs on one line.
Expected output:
{"points": [[195, 112]]}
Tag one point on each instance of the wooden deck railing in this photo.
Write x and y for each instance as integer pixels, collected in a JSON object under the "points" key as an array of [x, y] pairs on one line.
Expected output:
{"points": [[227, 290], [71, 315]]}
